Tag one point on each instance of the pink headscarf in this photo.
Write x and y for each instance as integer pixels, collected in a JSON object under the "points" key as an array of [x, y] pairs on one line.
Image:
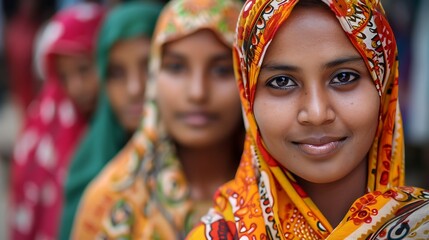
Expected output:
{"points": [[52, 128]]}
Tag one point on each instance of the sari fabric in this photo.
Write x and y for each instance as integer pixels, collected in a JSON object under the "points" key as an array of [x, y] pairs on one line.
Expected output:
{"points": [[142, 193], [52, 128], [106, 137], [264, 201]]}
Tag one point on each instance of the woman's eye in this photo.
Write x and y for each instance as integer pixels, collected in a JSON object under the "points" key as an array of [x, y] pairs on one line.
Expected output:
{"points": [[223, 71], [344, 78], [85, 70], [281, 82], [115, 73], [173, 67]]}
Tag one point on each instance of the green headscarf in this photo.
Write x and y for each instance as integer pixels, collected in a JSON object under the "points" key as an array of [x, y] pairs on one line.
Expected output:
{"points": [[106, 137]]}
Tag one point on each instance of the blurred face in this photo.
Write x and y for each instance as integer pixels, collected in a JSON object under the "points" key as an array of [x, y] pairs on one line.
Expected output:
{"points": [[315, 104], [80, 81], [197, 93], [126, 79]]}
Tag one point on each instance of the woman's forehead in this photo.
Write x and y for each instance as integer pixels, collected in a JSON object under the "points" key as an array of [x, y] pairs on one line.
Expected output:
{"points": [[314, 30]]}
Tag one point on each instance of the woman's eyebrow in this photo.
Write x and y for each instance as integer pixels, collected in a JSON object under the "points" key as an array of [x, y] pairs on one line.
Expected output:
{"points": [[279, 67], [331, 64], [343, 60], [221, 57], [172, 54]]}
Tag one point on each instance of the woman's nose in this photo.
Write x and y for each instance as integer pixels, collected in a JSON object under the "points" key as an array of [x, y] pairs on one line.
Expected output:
{"points": [[196, 87], [316, 107], [135, 86]]}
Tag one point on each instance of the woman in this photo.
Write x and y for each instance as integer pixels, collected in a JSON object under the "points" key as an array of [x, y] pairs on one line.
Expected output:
{"points": [[122, 57], [55, 121], [22, 21], [190, 139], [323, 157]]}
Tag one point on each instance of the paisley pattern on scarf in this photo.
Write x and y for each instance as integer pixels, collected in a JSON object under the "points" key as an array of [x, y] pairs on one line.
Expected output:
{"points": [[264, 201], [143, 193]]}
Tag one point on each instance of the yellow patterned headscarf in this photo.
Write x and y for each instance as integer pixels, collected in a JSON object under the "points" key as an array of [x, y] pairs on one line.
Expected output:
{"points": [[264, 201]]}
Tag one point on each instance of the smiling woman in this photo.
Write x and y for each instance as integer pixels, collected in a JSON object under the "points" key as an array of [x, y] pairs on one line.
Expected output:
{"points": [[323, 156], [332, 104]]}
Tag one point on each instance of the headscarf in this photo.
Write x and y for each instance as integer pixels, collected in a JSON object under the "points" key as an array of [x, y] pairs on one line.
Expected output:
{"points": [[264, 201], [52, 128], [143, 193], [106, 136]]}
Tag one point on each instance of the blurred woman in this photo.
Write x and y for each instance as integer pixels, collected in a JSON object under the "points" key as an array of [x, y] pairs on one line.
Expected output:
{"points": [[122, 59], [23, 18], [55, 121], [191, 136]]}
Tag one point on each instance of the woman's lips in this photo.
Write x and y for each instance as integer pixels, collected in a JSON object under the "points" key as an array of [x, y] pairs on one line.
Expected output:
{"points": [[320, 146], [135, 110], [196, 119]]}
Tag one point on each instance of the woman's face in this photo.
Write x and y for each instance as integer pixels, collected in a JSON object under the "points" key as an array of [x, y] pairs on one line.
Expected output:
{"points": [[196, 91], [126, 79], [316, 105], [79, 79]]}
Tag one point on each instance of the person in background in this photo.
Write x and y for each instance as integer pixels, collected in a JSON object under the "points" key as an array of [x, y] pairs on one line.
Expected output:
{"points": [[323, 157], [55, 122], [22, 21], [419, 89], [190, 139], [122, 58]]}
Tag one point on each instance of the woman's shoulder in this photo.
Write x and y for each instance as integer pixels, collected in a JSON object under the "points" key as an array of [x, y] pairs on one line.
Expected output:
{"points": [[109, 196], [230, 198], [397, 211], [411, 202], [390, 204]]}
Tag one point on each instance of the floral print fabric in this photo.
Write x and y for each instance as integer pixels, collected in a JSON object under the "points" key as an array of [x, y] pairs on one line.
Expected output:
{"points": [[264, 201]]}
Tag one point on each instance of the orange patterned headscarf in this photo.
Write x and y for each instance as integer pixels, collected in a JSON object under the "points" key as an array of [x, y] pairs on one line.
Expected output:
{"points": [[368, 30], [264, 201]]}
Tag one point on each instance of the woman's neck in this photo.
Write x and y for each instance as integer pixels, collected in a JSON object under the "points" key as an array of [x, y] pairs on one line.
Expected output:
{"points": [[334, 199], [208, 168]]}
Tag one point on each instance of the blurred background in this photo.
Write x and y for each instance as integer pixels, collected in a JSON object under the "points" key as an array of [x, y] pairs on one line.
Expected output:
{"points": [[20, 21]]}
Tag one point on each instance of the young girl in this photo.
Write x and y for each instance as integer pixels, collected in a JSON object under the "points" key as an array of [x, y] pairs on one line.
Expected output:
{"points": [[323, 157], [55, 122], [122, 56], [190, 141]]}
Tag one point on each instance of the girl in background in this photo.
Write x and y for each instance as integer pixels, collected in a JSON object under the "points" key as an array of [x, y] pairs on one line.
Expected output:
{"points": [[191, 136], [122, 58], [55, 122]]}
